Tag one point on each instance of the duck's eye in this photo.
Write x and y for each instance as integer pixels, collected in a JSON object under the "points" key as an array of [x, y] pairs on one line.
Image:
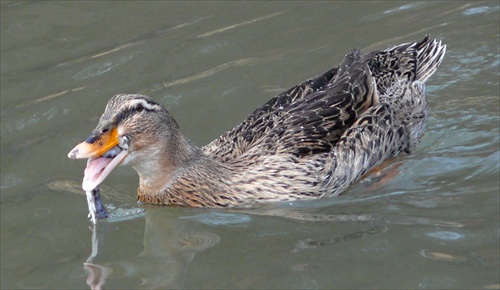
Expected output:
{"points": [[139, 108]]}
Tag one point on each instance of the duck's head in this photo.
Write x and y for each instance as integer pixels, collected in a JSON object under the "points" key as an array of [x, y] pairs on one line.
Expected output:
{"points": [[135, 130]]}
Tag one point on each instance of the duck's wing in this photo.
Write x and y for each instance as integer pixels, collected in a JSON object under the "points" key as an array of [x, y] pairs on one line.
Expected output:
{"points": [[396, 75], [311, 117], [237, 141], [315, 126], [308, 118]]}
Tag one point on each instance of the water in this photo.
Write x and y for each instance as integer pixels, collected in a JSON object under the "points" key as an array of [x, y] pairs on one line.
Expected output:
{"points": [[435, 224]]}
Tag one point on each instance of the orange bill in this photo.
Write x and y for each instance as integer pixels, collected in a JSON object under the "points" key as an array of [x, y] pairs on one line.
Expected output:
{"points": [[95, 146]]}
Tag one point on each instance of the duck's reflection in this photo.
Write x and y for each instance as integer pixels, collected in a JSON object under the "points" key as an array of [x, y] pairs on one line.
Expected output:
{"points": [[169, 247]]}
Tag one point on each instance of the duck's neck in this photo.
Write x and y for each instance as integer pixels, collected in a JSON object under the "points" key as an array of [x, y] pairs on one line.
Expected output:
{"points": [[164, 163]]}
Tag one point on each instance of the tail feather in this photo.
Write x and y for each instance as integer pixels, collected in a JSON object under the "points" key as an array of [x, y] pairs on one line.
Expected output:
{"points": [[404, 63], [397, 122], [430, 53]]}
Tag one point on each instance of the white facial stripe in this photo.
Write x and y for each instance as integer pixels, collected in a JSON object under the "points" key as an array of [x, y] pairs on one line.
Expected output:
{"points": [[145, 104]]}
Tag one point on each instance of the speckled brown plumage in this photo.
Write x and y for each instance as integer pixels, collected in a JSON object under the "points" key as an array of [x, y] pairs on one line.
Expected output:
{"points": [[311, 141]]}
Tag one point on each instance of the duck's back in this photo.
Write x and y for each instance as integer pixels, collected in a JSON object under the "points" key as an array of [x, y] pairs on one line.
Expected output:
{"points": [[311, 117], [320, 136]]}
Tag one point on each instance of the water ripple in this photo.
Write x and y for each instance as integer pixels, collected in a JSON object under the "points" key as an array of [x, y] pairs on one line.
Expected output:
{"points": [[220, 219], [479, 10], [446, 235], [101, 68]]}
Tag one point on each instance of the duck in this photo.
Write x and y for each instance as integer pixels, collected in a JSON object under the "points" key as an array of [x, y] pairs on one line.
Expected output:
{"points": [[310, 142]]}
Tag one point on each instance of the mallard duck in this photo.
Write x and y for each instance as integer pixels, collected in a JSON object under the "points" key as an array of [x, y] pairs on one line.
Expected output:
{"points": [[309, 142]]}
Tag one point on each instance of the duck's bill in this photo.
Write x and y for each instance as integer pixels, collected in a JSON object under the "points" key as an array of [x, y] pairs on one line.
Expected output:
{"points": [[103, 153]]}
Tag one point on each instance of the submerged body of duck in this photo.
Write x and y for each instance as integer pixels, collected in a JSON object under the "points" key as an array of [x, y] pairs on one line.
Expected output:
{"points": [[311, 141]]}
